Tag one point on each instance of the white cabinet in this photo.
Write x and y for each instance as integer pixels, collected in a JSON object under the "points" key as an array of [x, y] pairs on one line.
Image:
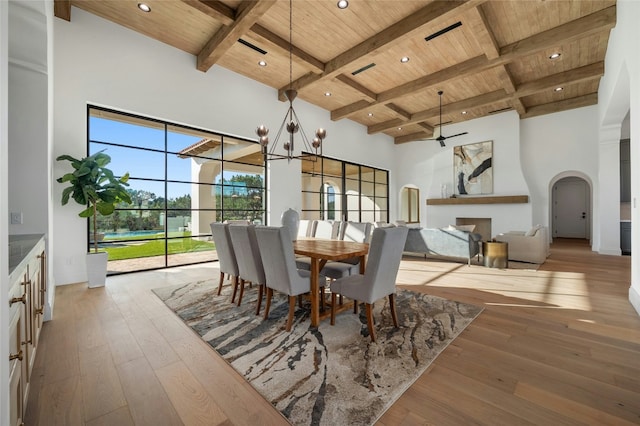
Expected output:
{"points": [[27, 293]]}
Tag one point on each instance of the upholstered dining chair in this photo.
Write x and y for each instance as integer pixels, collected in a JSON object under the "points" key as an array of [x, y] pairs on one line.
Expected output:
{"points": [[245, 246], [226, 256], [278, 258], [359, 232], [379, 279]]}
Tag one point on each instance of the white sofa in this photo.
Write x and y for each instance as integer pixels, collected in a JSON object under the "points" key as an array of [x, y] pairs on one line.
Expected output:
{"points": [[531, 246]]}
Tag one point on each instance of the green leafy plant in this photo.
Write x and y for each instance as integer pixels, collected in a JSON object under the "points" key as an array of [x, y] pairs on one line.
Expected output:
{"points": [[92, 184]]}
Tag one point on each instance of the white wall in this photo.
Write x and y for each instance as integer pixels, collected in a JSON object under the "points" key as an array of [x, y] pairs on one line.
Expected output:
{"points": [[104, 64], [428, 166], [619, 93], [558, 145]]}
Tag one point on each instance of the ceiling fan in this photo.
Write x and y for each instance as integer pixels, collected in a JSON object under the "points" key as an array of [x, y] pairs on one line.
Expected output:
{"points": [[438, 129]]}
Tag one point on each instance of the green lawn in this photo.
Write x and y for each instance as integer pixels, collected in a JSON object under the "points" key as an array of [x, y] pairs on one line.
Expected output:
{"points": [[157, 247]]}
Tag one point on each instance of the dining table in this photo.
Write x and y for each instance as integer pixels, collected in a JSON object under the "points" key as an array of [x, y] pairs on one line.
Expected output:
{"points": [[320, 251]]}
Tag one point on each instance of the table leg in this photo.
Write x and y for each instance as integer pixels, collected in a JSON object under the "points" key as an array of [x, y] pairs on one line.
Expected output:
{"points": [[315, 271]]}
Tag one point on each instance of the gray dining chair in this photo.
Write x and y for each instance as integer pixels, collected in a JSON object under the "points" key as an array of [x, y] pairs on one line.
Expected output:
{"points": [[278, 258], [379, 279], [245, 246], [226, 256], [327, 229], [359, 232]]}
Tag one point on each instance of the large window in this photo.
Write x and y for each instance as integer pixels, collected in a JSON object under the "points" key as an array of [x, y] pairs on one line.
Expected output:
{"points": [[338, 190], [181, 180]]}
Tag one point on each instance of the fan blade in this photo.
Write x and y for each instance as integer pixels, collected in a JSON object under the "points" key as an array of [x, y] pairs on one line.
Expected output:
{"points": [[459, 134]]}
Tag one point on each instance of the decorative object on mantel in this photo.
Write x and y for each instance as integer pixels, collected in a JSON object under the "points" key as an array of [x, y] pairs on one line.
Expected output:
{"points": [[94, 186], [472, 169], [437, 130], [497, 199], [329, 375], [291, 121]]}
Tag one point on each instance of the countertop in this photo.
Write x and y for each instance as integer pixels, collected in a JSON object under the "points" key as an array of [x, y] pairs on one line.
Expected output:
{"points": [[19, 248]]}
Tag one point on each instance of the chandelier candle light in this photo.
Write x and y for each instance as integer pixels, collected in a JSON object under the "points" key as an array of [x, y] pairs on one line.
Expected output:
{"points": [[291, 121]]}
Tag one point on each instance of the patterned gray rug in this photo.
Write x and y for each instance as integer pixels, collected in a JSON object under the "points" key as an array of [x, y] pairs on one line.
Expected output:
{"points": [[329, 375]]}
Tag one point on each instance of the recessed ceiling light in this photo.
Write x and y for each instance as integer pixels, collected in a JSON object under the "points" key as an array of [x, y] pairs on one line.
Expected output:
{"points": [[558, 89], [327, 93], [262, 63], [343, 4], [399, 128], [404, 59], [554, 55], [370, 114], [144, 7], [464, 113]]}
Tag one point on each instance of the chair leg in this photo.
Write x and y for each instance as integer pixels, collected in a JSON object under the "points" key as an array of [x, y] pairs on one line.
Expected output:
{"points": [[235, 289], [268, 304], [355, 307], [292, 308], [333, 308], [241, 291], [260, 291], [392, 307], [220, 283], [372, 331]]}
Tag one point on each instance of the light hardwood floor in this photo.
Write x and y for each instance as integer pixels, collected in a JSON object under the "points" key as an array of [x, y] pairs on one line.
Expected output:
{"points": [[560, 345]]}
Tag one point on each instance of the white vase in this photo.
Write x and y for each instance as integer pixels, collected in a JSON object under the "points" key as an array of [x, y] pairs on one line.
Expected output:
{"points": [[97, 269], [291, 220]]}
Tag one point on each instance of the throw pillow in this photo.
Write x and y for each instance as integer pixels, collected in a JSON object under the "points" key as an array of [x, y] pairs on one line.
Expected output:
{"points": [[531, 232]]}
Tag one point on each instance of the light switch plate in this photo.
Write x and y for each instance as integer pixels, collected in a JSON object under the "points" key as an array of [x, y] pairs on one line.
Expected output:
{"points": [[16, 218]]}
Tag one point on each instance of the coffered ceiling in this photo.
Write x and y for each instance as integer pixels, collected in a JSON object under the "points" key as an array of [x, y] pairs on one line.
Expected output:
{"points": [[487, 56]]}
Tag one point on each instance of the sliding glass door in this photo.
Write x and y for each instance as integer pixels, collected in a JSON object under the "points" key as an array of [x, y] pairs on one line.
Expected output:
{"points": [[181, 180]]}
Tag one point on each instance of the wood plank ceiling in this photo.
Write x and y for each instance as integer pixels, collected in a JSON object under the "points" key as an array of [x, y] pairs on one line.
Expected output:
{"points": [[490, 56]]}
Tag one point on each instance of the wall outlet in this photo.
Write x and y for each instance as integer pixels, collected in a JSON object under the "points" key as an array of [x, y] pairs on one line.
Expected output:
{"points": [[16, 218]]}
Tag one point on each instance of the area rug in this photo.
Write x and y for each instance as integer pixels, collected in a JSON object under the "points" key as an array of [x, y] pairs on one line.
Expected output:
{"points": [[331, 375]]}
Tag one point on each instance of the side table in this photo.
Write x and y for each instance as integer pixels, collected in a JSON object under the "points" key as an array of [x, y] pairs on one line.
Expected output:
{"points": [[495, 254]]}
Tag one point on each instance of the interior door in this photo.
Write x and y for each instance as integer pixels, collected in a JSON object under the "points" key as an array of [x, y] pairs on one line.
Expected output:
{"points": [[571, 213]]}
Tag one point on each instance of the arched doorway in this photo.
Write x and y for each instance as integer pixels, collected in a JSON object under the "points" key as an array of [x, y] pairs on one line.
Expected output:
{"points": [[571, 208]]}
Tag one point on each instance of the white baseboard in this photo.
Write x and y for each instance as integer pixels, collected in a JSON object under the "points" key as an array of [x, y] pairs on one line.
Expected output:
{"points": [[634, 298], [610, 252]]}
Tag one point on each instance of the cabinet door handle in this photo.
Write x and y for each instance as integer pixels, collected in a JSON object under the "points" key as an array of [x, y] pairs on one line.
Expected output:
{"points": [[22, 299], [17, 356], [39, 311]]}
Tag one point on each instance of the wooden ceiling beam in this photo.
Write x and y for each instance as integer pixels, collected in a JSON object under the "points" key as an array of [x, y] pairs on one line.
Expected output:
{"points": [[401, 113], [482, 29], [62, 9], [602, 20], [577, 75], [214, 9], [227, 16], [396, 33], [298, 55], [410, 138], [564, 105], [246, 16], [366, 93], [510, 87]]}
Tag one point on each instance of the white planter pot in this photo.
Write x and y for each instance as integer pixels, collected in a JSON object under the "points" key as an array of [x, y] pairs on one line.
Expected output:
{"points": [[97, 269]]}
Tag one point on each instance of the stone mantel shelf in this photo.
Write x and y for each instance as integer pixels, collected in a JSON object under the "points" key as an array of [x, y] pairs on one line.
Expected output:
{"points": [[504, 199]]}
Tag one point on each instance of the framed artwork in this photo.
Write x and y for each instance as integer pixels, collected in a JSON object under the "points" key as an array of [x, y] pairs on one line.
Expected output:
{"points": [[472, 171]]}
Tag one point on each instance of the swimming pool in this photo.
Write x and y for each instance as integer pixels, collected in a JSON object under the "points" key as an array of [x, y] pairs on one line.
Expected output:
{"points": [[131, 234]]}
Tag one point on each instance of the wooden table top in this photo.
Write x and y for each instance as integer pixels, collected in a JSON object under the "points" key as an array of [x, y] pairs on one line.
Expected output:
{"points": [[329, 249]]}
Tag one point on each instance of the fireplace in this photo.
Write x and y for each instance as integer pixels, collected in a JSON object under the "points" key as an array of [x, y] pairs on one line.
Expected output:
{"points": [[483, 225]]}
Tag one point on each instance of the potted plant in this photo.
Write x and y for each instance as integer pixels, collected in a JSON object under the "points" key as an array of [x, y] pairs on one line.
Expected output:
{"points": [[95, 187]]}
